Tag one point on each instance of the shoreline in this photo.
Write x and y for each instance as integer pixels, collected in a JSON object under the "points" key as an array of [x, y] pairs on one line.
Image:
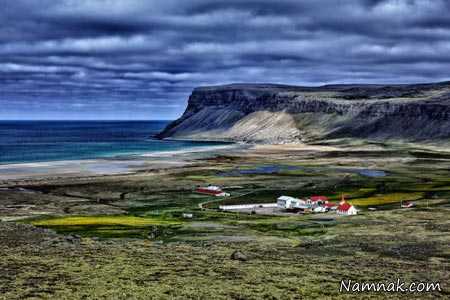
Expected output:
{"points": [[115, 165], [190, 150], [129, 164]]}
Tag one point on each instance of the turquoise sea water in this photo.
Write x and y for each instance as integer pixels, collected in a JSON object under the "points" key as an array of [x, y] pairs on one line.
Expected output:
{"points": [[33, 141]]}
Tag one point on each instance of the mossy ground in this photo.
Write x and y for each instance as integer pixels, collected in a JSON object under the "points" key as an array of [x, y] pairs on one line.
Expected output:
{"points": [[411, 245]]}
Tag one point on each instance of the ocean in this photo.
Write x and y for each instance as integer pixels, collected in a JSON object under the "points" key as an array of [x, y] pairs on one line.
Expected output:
{"points": [[37, 141]]}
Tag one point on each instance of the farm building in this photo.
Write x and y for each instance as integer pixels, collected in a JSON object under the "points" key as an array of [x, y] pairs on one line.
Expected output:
{"points": [[286, 202], [407, 204], [330, 206], [317, 200], [212, 191]]}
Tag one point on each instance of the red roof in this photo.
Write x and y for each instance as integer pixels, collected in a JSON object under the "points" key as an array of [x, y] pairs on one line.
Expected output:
{"points": [[318, 198], [330, 204], [344, 206], [208, 191]]}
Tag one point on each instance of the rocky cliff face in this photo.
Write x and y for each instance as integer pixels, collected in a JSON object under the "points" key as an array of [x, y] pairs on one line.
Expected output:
{"points": [[279, 114]]}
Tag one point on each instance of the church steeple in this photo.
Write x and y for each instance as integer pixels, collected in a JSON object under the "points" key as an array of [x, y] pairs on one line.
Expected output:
{"points": [[342, 199]]}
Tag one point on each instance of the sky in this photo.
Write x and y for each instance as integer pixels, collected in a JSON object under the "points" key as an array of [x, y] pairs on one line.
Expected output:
{"points": [[139, 60]]}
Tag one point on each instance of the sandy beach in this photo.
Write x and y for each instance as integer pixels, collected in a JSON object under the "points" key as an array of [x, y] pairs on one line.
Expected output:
{"points": [[123, 164]]}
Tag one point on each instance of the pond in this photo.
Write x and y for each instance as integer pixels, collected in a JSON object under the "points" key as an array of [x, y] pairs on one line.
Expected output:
{"points": [[276, 169], [261, 170], [372, 173], [364, 172]]}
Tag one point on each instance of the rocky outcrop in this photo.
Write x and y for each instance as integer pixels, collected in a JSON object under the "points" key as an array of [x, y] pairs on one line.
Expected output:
{"points": [[280, 114]]}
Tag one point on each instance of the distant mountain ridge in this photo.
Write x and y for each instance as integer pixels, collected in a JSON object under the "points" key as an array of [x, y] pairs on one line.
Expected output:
{"points": [[273, 113]]}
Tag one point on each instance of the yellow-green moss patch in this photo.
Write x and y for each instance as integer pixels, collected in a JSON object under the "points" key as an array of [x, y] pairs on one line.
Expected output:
{"points": [[102, 221], [386, 199]]}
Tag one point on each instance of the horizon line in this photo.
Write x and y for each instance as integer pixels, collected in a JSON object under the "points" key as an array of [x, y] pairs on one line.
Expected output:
{"points": [[86, 120]]}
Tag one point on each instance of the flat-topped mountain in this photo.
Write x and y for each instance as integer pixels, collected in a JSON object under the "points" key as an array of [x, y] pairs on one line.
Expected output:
{"points": [[272, 113]]}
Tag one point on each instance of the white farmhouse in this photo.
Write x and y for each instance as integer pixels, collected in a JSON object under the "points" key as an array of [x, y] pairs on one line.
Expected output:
{"points": [[286, 202]]}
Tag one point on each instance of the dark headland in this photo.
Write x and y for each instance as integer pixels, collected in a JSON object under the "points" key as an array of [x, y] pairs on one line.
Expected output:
{"points": [[272, 113]]}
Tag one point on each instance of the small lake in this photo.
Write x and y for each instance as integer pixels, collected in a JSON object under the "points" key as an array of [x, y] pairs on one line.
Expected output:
{"points": [[276, 169], [364, 172], [372, 173], [261, 170]]}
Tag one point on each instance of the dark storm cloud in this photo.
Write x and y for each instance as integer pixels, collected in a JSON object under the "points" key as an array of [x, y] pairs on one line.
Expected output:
{"points": [[141, 59]]}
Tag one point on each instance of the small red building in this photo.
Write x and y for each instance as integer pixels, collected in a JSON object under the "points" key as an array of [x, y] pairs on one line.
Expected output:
{"points": [[407, 204], [212, 191], [319, 198]]}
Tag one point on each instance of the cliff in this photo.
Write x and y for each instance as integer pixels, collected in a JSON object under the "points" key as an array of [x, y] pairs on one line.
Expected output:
{"points": [[266, 113]]}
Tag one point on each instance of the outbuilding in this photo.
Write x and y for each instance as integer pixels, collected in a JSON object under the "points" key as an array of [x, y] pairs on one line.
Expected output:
{"points": [[286, 202], [317, 200], [330, 206], [212, 191]]}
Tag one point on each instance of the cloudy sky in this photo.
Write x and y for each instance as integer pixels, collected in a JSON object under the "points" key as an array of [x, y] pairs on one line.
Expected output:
{"points": [[136, 59]]}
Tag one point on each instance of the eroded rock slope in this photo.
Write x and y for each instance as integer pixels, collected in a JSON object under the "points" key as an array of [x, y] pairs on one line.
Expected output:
{"points": [[266, 113]]}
